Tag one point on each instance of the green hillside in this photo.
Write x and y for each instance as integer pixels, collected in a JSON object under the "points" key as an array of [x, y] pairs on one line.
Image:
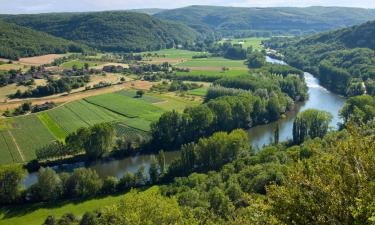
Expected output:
{"points": [[110, 31], [278, 20], [343, 60], [17, 41]]}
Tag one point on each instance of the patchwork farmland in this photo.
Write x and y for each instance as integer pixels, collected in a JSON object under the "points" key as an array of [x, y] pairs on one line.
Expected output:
{"points": [[21, 136]]}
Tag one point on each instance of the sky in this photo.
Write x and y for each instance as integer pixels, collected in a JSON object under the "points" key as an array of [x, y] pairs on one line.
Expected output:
{"points": [[40, 6]]}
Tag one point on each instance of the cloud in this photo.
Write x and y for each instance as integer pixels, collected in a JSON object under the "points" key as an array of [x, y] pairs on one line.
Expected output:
{"points": [[37, 6]]}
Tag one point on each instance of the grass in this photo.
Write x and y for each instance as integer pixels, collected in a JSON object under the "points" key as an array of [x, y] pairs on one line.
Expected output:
{"points": [[75, 115], [146, 97], [53, 127], [30, 134], [78, 63], [8, 151], [198, 92], [35, 214], [126, 106], [174, 53], [247, 42], [232, 73], [213, 62], [174, 102]]}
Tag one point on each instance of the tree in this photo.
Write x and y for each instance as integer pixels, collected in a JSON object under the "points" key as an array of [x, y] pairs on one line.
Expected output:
{"points": [[153, 171], [100, 140], [140, 176], [140, 93], [49, 185], [149, 207], [161, 162], [11, 178], [255, 60], [84, 183], [333, 187], [110, 185], [277, 134], [360, 109], [127, 181], [311, 123]]}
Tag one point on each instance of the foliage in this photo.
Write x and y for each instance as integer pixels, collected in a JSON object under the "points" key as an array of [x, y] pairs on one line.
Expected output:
{"points": [[126, 31], [360, 109], [17, 41], [311, 123], [335, 186], [343, 60], [245, 22], [10, 183]]}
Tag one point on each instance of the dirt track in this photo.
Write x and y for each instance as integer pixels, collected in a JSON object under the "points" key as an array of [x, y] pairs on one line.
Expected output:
{"points": [[62, 98]]}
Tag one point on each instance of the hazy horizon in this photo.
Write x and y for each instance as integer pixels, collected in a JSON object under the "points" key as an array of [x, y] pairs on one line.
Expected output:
{"points": [[43, 6]]}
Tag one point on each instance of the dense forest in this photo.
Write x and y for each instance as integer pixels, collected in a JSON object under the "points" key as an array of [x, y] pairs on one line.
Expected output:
{"points": [[17, 41], [229, 21], [343, 60], [110, 31]]}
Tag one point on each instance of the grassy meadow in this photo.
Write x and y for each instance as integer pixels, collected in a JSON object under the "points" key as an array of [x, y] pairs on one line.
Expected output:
{"points": [[255, 42]]}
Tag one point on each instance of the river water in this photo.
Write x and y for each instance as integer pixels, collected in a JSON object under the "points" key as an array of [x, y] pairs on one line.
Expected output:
{"points": [[319, 98]]}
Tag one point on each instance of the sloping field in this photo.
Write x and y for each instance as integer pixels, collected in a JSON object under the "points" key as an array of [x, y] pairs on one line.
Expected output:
{"points": [[228, 73], [126, 106], [75, 115], [8, 150], [133, 94], [213, 62], [30, 134]]}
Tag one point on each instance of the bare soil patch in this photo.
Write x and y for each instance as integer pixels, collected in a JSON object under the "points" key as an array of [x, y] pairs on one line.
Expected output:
{"points": [[40, 60]]}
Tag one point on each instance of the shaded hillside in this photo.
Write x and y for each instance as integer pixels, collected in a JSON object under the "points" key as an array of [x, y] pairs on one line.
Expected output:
{"points": [[110, 31], [285, 19], [17, 41], [343, 60]]}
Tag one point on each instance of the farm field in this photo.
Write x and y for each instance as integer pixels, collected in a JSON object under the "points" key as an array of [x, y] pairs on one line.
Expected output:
{"points": [[80, 64], [214, 73], [198, 92], [256, 43], [215, 62], [173, 53], [126, 106], [21, 136]]}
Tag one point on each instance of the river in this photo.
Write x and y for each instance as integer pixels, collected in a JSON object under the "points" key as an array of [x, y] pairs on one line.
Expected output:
{"points": [[319, 98]]}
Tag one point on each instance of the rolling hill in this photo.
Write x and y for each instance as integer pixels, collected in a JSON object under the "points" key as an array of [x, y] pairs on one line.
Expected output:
{"points": [[17, 41], [343, 60], [117, 31], [225, 20]]}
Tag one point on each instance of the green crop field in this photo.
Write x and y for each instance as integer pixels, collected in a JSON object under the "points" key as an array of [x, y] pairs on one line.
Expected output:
{"points": [[198, 92], [8, 150], [174, 53], [75, 115], [30, 134], [230, 72], [147, 98], [247, 42], [213, 62], [126, 106], [53, 127], [78, 63], [132, 115], [125, 130]]}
